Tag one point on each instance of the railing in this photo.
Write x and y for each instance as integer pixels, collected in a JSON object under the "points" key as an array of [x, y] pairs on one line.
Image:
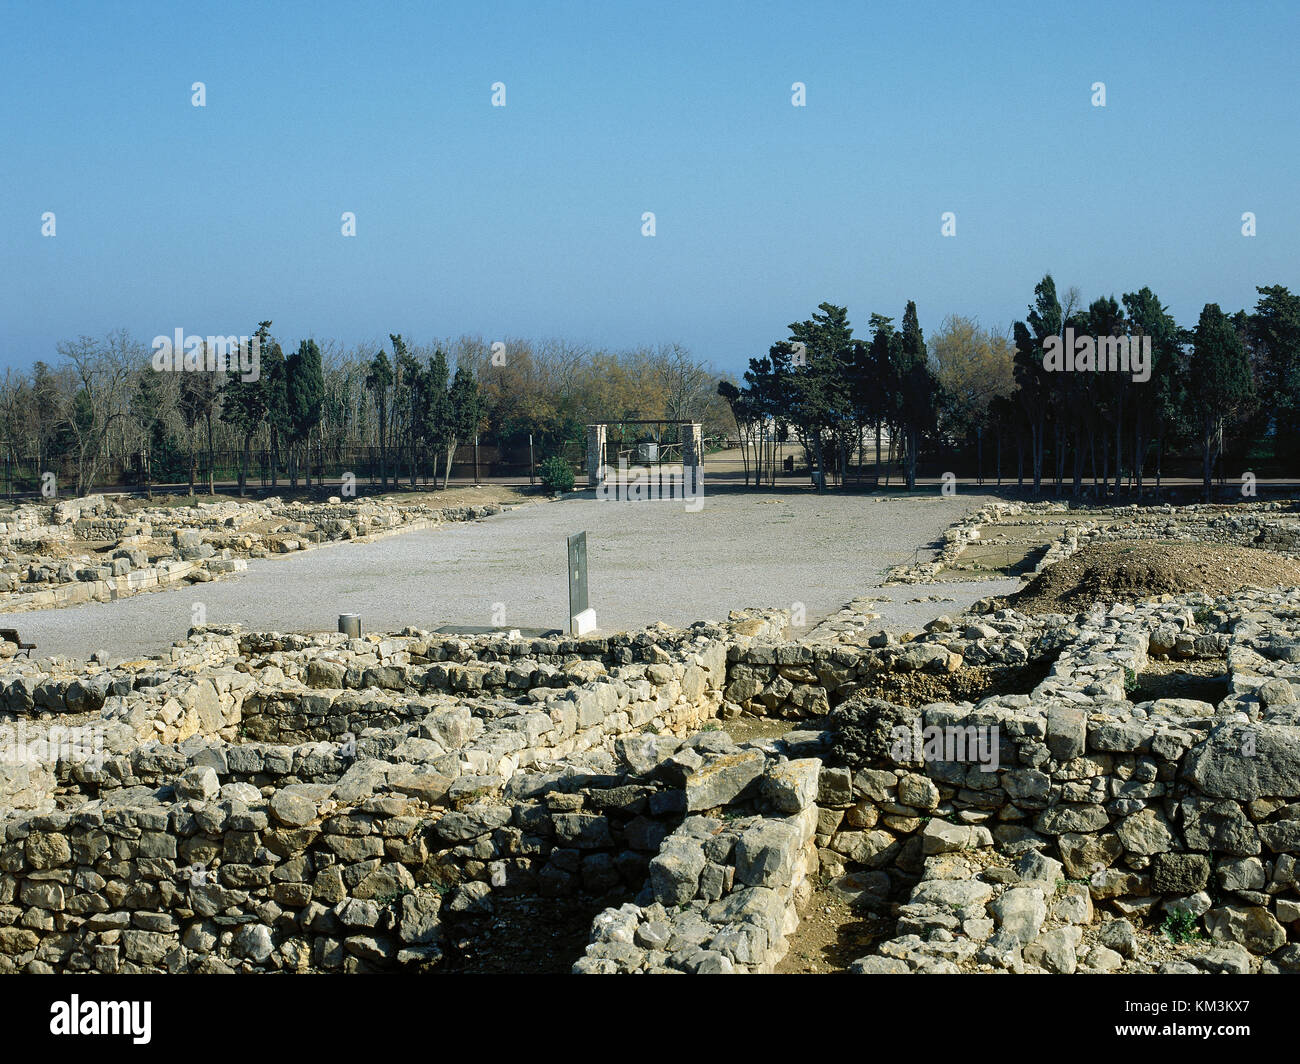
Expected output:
{"points": [[638, 454], [25, 475]]}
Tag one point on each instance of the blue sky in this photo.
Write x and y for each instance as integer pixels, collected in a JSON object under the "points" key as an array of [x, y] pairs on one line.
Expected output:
{"points": [[526, 220]]}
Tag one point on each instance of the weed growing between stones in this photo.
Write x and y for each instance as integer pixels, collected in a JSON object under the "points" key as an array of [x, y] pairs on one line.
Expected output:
{"points": [[1180, 926]]}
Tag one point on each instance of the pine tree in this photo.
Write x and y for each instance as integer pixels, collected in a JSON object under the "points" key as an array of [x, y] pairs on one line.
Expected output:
{"points": [[465, 410], [1275, 331], [879, 381], [409, 399], [275, 392], [819, 403], [917, 391], [437, 410], [1035, 391], [146, 408], [1161, 398]]}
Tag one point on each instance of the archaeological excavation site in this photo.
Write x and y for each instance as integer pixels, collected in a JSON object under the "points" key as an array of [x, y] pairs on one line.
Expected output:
{"points": [[1095, 769], [534, 494]]}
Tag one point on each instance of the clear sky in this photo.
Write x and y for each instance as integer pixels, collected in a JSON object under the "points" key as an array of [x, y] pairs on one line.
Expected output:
{"points": [[525, 220]]}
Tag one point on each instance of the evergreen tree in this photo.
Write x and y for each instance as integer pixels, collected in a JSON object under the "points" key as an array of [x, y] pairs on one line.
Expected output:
{"points": [[437, 410], [147, 412], [1109, 389], [276, 399], [464, 412], [1161, 398], [200, 401], [819, 404], [304, 395], [917, 391], [1218, 383], [880, 380], [410, 397], [767, 395], [243, 405], [1274, 329], [1034, 390], [379, 379]]}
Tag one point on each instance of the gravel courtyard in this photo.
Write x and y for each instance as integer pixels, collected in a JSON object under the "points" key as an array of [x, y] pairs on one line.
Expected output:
{"points": [[649, 561]]}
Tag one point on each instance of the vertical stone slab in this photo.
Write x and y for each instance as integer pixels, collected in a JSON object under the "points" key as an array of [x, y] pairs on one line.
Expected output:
{"points": [[595, 453], [582, 618]]}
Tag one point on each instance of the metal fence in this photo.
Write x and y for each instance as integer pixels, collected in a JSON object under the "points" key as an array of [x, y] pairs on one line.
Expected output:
{"points": [[24, 475]]}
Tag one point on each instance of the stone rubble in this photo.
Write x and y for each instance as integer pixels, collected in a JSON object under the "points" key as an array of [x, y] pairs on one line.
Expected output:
{"points": [[93, 550]]}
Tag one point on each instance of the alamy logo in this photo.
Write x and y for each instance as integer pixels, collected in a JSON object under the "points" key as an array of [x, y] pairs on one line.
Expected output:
{"points": [[651, 484], [80, 744], [1100, 354], [963, 744], [211, 354], [77, 1017]]}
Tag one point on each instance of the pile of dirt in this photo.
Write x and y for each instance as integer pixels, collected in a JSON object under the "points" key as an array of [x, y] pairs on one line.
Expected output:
{"points": [[1131, 570]]}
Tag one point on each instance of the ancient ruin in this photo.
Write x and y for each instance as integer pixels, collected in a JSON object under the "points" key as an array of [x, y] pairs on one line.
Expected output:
{"points": [[1111, 789]]}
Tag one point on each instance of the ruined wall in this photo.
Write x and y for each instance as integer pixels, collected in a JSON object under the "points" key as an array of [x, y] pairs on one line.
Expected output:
{"points": [[796, 680], [724, 892], [354, 876], [268, 802], [1169, 806], [186, 845], [163, 546]]}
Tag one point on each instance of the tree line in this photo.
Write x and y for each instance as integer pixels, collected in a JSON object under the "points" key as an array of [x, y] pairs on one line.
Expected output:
{"points": [[409, 407], [1224, 393]]}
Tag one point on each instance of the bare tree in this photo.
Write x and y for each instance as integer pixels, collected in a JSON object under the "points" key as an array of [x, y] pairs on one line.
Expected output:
{"points": [[101, 373]]}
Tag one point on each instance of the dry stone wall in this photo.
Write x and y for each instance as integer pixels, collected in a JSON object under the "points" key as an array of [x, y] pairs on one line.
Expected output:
{"points": [[724, 892], [1167, 807], [271, 802], [177, 843]]}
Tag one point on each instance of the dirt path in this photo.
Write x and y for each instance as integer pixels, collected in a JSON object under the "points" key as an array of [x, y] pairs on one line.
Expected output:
{"points": [[831, 936]]}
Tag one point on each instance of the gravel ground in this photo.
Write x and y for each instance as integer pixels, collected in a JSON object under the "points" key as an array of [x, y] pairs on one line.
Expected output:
{"points": [[648, 562]]}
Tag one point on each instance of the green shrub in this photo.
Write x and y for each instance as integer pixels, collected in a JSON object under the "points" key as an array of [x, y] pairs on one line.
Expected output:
{"points": [[1180, 926], [556, 474]]}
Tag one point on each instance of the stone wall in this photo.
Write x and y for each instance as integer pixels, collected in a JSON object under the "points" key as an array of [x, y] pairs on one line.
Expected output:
{"points": [[359, 875], [391, 863], [796, 680], [185, 843], [1150, 810], [724, 892], [280, 802]]}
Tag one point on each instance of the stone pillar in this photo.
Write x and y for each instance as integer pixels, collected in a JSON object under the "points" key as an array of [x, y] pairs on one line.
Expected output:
{"points": [[595, 453], [692, 446]]}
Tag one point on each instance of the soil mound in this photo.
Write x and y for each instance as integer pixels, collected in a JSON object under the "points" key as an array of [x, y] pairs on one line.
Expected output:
{"points": [[1127, 571]]}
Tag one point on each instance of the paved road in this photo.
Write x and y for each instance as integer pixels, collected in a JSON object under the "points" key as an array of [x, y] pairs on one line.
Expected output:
{"points": [[648, 561]]}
